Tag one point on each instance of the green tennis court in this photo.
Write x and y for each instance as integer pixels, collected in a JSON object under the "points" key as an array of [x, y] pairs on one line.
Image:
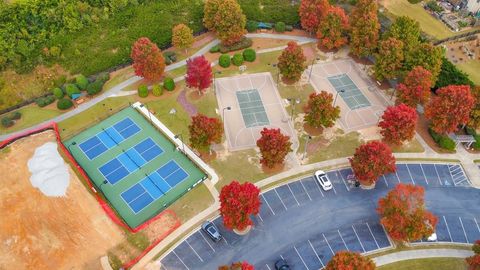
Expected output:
{"points": [[251, 105], [349, 91], [134, 165]]}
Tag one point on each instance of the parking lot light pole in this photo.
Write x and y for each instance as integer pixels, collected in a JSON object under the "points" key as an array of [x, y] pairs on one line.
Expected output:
{"points": [[306, 144], [101, 184], [181, 139], [223, 112], [336, 95]]}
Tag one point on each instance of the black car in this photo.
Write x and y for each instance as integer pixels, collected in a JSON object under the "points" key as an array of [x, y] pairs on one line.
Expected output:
{"points": [[282, 265], [209, 228]]}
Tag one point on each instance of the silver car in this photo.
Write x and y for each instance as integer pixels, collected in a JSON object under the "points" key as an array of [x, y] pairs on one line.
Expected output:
{"points": [[323, 180]]}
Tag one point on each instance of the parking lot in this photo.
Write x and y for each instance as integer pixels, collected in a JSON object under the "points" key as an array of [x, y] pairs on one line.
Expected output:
{"points": [[306, 225]]}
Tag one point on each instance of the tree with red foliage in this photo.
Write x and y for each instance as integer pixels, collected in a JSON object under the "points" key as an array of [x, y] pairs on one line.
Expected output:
{"points": [[398, 124], [389, 59], [403, 215], [415, 88], [237, 266], [237, 203], [333, 29], [199, 73], [319, 111], [474, 121], [450, 108], [344, 260], [311, 12], [204, 131], [371, 160], [148, 61], [474, 261], [226, 19], [364, 28], [291, 63], [274, 147]]}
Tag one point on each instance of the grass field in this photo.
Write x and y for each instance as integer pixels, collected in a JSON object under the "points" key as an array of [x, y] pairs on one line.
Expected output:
{"points": [[427, 264], [342, 146], [31, 115], [472, 68]]}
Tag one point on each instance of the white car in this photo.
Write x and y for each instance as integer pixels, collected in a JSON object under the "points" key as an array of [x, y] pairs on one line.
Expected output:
{"points": [[322, 180]]}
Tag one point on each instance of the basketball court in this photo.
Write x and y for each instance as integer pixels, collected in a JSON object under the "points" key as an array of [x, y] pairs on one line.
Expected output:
{"points": [[254, 104], [357, 95]]}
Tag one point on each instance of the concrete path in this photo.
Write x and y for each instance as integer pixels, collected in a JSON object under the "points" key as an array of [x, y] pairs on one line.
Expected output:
{"points": [[421, 254]]}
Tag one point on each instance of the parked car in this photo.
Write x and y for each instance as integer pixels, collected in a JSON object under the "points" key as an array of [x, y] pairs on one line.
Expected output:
{"points": [[323, 180], [212, 231], [433, 237], [281, 265]]}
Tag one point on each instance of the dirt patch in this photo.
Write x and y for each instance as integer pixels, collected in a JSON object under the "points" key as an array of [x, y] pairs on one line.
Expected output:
{"points": [[208, 156], [274, 170], [194, 95], [312, 131], [461, 51], [40, 232]]}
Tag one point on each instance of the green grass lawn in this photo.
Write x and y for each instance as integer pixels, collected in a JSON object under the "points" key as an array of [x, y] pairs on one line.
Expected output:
{"points": [[427, 264], [413, 146], [31, 115], [472, 68], [192, 203], [342, 146]]}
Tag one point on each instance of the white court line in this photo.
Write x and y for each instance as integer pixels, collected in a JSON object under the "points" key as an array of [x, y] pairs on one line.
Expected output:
{"points": [[424, 175], [478, 228], [438, 176], [186, 241], [333, 253], [463, 228], [368, 226], [288, 185], [411, 177], [358, 238], [305, 189], [341, 176], [280, 199], [207, 241], [298, 253], [341, 237], [268, 204], [385, 179], [174, 253], [448, 230], [316, 254]]}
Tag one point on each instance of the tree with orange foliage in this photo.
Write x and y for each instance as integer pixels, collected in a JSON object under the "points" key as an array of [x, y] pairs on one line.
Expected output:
{"points": [[415, 88], [237, 266], [333, 29], [226, 19], [291, 63], [403, 215], [204, 131], [274, 147], [148, 61], [311, 12], [182, 37], [344, 260], [364, 28]]}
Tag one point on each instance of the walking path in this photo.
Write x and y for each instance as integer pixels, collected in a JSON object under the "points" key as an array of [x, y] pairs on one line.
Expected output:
{"points": [[421, 254]]}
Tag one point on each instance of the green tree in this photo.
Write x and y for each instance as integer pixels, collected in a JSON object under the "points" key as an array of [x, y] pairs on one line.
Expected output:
{"points": [[450, 74], [226, 19], [389, 59], [408, 31], [427, 56], [365, 28]]}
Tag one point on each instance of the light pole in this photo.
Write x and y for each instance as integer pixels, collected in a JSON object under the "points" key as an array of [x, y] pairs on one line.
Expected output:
{"points": [[73, 143], [275, 65], [336, 95], [306, 144], [101, 184], [223, 112], [311, 68], [181, 139]]}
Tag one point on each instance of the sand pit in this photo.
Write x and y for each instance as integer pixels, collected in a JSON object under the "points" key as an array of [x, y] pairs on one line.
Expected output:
{"points": [[41, 232]]}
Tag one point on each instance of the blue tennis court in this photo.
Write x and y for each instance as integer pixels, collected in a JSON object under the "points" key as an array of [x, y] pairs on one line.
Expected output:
{"points": [[108, 138], [154, 186], [348, 91], [130, 160]]}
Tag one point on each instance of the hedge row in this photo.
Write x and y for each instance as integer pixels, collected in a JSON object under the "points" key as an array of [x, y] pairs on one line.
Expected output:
{"points": [[442, 141], [168, 84], [248, 55]]}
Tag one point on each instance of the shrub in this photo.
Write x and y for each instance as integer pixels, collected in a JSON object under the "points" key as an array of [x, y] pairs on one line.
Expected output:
{"points": [[249, 55], [15, 115], [157, 90], [446, 143], [169, 84], [170, 57], [224, 60], [58, 93], [470, 131], [95, 87], [142, 91], [7, 122], [103, 77], [237, 59], [215, 49], [64, 104], [71, 89], [242, 44], [280, 27], [44, 101], [251, 26], [476, 144], [81, 81]]}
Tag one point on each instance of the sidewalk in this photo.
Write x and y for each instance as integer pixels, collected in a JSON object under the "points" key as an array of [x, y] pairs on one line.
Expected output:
{"points": [[421, 254]]}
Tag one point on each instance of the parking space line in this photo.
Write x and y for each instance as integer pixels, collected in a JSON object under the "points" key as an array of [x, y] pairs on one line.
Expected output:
{"points": [[186, 241], [301, 257], [478, 228], [341, 237], [398, 178], [318, 186], [360, 241], [301, 183], [316, 254], [163, 267], [225, 240], [343, 179], [368, 226], [334, 191], [438, 176], [281, 256], [411, 177], [260, 216], [463, 228], [174, 253], [424, 175], [333, 253], [267, 266], [280, 199], [293, 194], [207, 241], [448, 229], [385, 179], [268, 204]]}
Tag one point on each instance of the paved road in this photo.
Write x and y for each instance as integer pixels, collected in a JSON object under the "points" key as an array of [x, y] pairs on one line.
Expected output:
{"points": [[306, 225]]}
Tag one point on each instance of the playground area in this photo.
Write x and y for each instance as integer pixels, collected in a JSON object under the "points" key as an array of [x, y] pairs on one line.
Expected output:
{"points": [[353, 91], [463, 50], [42, 232], [248, 103]]}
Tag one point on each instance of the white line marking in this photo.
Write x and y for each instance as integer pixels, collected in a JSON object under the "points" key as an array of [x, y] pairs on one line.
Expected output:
{"points": [[463, 228], [174, 253], [478, 228], [281, 256], [280, 199], [318, 186], [333, 253], [316, 254], [186, 241], [206, 241], [398, 178], [358, 238], [345, 244], [424, 175], [305, 190], [372, 235], [225, 240], [411, 177], [301, 258], [341, 176], [385, 179], [448, 230], [438, 176], [268, 204], [260, 216], [288, 185], [267, 266]]}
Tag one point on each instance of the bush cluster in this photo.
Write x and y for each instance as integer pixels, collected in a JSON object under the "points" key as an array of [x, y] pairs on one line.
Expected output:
{"points": [[7, 122], [94, 87], [443, 141], [215, 49], [249, 55], [71, 89], [251, 26], [224, 60], [170, 57], [168, 84], [44, 101], [280, 27], [64, 104], [242, 44], [58, 93], [237, 59], [15, 115], [81, 82], [157, 90], [142, 91]]}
